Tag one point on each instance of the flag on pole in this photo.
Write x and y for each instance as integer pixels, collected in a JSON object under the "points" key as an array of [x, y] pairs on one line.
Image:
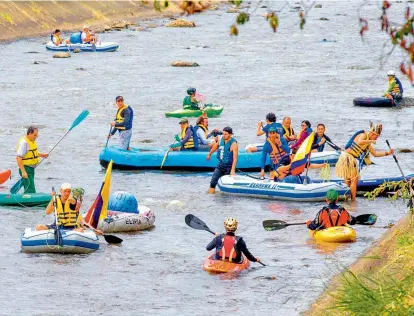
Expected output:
{"points": [[302, 156], [99, 208]]}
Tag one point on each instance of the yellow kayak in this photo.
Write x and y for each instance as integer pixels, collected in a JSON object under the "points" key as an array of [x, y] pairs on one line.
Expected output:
{"points": [[334, 234]]}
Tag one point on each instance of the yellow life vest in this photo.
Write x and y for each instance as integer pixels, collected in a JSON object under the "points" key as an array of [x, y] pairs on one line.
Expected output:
{"points": [[359, 151], [119, 118], [204, 129], [190, 142], [57, 39], [288, 132], [396, 87], [66, 216], [32, 156]]}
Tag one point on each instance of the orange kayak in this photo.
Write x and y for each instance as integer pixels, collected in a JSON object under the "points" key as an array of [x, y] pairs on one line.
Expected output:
{"points": [[4, 175], [219, 266]]}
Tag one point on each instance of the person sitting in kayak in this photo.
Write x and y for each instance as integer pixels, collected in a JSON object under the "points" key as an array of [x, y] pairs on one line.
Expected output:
{"points": [[57, 40], [331, 215], [190, 102], [278, 150], [122, 123], [261, 130], [228, 152], [203, 135], [87, 36], [289, 134], [321, 139], [230, 247], [188, 140], [306, 130], [356, 154], [395, 88]]}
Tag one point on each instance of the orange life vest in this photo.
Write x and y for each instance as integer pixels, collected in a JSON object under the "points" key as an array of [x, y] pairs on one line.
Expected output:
{"points": [[228, 251], [277, 152], [333, 217]]}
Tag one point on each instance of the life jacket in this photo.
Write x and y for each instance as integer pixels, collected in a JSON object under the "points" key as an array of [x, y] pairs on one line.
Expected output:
{"points": [[397, 86], [32, 156], [277, 152], [288, 131], [318, 139], [224, 154], [120, 117], [188, 104], [193, 141], [359, 151], [88, 34], [65, 216], [56, 38], [333, 217], [228, 251], [203, 128]]}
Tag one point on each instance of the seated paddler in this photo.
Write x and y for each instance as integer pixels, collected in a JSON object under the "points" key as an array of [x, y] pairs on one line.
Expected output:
{"points": [[206, 140], [321, 139], [395, 88], [187, 140], [190, 102]]}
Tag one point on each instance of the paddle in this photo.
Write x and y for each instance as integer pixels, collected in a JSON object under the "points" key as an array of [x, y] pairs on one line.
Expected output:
{"points": [[364, 219], [58, 236], [196, 223], [395, 159], [165, 156], [110, 239], [250, 176], [18, 185], [107, 139]]}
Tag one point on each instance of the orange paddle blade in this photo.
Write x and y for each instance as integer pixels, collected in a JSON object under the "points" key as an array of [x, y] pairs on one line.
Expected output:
{"points": [[4, 175]]}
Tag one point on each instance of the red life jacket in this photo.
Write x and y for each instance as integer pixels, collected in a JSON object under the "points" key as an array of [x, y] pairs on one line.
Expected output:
{"points": [[334, 217], [228, 250]]}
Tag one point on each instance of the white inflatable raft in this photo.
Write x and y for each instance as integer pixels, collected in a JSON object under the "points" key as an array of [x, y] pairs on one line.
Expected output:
{"points": [[118, 222], [246, 186], [42, 241], [99, 47]]}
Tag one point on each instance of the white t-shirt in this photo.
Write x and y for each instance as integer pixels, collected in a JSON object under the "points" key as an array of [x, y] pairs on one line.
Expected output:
{"points": [[83, 37]]}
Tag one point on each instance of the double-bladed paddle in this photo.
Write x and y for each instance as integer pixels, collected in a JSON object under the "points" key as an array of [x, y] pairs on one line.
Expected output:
{"points": [[110, 239], [18, 185], [272, 224], [395, 159], [58, 236], [196, 223]]}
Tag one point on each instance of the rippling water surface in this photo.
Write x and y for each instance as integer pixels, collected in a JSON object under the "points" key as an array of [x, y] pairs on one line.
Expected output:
{"points": [[159, 272]]}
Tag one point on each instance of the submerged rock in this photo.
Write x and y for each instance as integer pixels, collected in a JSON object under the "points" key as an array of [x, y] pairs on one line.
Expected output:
{"points": [[324, 19], [38, 62], [180, 63], [318, 6], [181, 23], [76, 50], [233, 10], [62, 55]]}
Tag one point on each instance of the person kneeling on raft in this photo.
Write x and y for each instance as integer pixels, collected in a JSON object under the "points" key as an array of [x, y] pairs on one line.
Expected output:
{"points": [[278, 150], [228, 152], [331, 215], [321, 139], [270, 122], [395, 88], [57, 40], [230, 247], [87, 36], [67, 209], [203, 135], [188, 140]]}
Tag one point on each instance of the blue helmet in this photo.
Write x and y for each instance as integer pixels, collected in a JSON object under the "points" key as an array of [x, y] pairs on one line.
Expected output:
{"points": [[191, 91]]}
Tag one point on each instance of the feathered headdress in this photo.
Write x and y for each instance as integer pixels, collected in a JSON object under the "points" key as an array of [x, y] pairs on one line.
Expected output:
{"points": [[376, 129]]}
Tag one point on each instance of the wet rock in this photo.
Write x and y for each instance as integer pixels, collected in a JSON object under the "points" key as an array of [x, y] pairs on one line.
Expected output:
{"points": [[175, 205], [318, 6], [147, 141], [107, 28], [139, 29], [180, 63], [324, 19], [81, 69], [62, 55], [181, 23], [233, 10], [152, 26], [76, 50], [213, 7], [264, 6], [358, 67], [32, 52], [405, 150], [38, 62]]}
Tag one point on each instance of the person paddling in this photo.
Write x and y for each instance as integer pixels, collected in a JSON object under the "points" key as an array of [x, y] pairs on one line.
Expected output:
{"points": [[28, 158], [331, 215], [230, 247], [122, 123], [395, 88], [57, 40], [227, 155], [190, 102], [356, 154]]}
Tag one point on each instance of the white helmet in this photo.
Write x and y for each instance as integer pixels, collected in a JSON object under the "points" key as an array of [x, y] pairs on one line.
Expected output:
{"points": [[390, 73]]}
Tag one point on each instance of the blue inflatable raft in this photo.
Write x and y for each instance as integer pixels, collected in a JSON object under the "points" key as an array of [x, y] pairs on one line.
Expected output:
{"points": [[151, 158], [99, 47]]}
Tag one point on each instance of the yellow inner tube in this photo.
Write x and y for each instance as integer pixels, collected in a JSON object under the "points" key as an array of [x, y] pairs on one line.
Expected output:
{"points": [[334, 234]]}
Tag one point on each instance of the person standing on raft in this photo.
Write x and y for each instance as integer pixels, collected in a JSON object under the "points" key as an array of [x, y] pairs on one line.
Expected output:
{"points": [[227, 155], [395, 88], [28, 158], [122, 123], [331, 215], [230, 247], [356, 154]]}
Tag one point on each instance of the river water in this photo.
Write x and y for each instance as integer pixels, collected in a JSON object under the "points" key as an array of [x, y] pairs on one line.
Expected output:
{"points": [[159, 272]]}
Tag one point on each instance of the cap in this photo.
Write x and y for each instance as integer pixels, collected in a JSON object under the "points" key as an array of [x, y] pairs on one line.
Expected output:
{"points": [[184, 120], [119, 97], [272, 129], [332, 195], [65, 186], [228, 129], [390, 73]]}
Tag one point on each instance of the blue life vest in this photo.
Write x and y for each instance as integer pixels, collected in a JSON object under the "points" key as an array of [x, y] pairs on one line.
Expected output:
{"points": [[224, 155], [399, 84], [320, 148], [195, 136], [351, 140]]}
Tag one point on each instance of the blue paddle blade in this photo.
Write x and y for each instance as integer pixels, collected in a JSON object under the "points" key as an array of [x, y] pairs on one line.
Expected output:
{"points": [[79, 119], [17, 186]]}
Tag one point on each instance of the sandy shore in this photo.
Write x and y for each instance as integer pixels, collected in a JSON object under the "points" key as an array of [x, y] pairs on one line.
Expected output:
{"points": [[22, 19]]}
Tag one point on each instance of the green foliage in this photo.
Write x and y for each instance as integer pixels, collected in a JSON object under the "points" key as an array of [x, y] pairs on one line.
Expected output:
{"points": [[242, 18], [400, 189], [237, 3], [405, 241]]}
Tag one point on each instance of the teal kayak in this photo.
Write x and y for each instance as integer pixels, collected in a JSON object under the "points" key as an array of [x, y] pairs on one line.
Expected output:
{"points": [[30, 199], [211, 111]]}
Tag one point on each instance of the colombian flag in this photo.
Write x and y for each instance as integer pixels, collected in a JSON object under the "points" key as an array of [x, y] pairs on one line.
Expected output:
{"points": [[302, 156], [99, 209]]}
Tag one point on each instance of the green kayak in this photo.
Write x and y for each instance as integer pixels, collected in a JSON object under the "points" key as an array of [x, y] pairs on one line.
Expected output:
{"points": [[211, 111], [30, 199]]}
